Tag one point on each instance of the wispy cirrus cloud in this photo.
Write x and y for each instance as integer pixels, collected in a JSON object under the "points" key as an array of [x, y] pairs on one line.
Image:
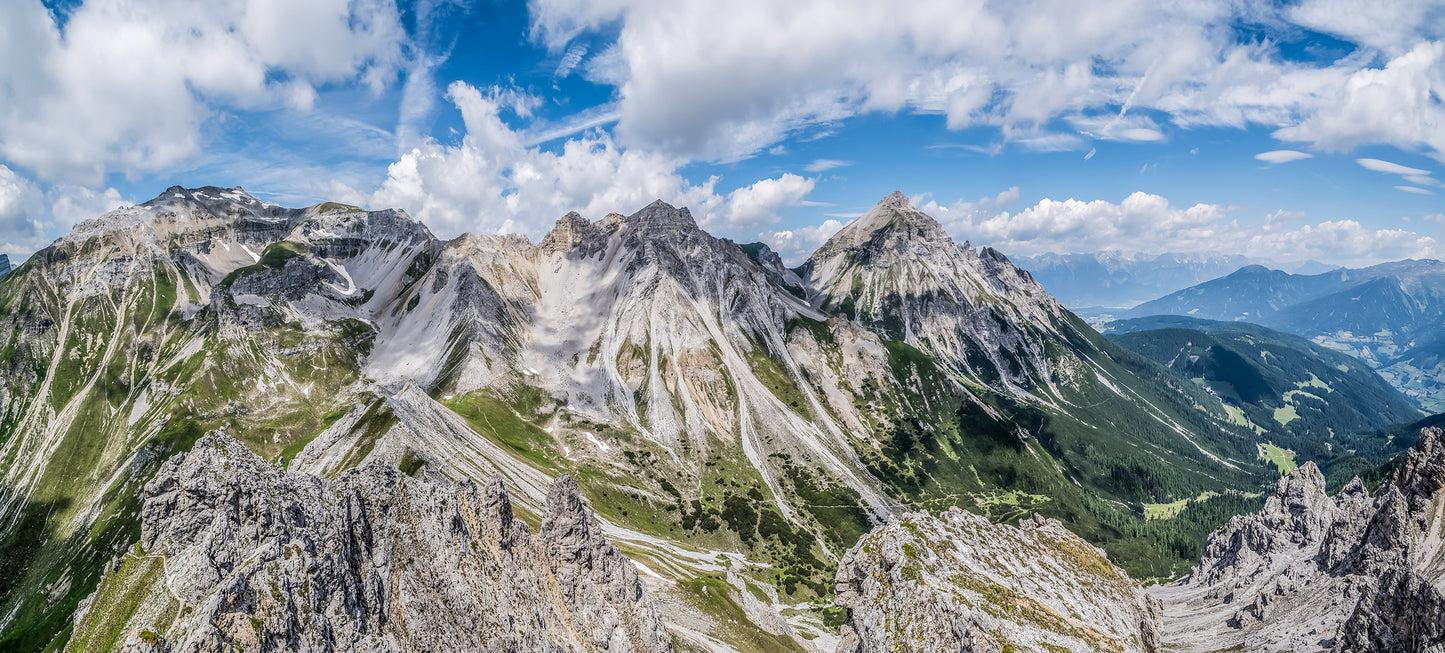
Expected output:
{"points": [[823, 165]]}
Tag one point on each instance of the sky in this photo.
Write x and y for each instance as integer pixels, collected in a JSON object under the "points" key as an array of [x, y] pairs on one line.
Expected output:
{"points": [[1285, 131]]}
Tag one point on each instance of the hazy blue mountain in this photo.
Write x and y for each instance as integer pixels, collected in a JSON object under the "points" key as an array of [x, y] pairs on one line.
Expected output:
{"points": [[1391, 315], [1115, 279]]}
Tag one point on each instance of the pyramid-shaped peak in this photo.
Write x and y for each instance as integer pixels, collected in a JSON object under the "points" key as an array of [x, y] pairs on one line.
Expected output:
{"points": [[895, 200], [892, 223], [662, 214]]}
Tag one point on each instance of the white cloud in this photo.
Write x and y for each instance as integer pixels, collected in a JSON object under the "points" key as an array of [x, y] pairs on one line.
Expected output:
{"points": [[21, 205], [1423, 180], [1115, 127], [29, 216], [1398, 105], [758, 204], [1393, 168], [570, 59], [127, 84], [721, 81], [494, 182], [959, 217], [822, 165], [796, 245], [1415, 190], [1144, 222], [1387, 25], [1282, 156]]}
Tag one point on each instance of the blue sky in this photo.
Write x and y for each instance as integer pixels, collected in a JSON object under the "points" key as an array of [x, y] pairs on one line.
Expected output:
{"points": [[1285, 131]]}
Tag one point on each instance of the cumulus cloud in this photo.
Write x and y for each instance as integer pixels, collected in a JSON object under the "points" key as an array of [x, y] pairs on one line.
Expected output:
{"points": [[758, 204], [959, 217], [21, 230], [126, 85], [1399, 105], [1277, 157], [71, 204], [30, 215], [796, 245], [1149, 223], [721, 81], [493, 181]]}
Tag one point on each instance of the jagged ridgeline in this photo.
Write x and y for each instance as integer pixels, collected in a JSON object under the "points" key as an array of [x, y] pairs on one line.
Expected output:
{"points": [[734, 423]]}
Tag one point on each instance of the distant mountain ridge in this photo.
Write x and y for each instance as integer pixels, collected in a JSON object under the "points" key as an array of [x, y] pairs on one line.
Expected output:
{"points": [[1391, 315], [1114, 279]]}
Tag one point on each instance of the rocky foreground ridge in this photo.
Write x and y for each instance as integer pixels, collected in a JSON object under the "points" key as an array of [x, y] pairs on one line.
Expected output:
{"points": [[1309, 572], [237, 554], [958, 582]]}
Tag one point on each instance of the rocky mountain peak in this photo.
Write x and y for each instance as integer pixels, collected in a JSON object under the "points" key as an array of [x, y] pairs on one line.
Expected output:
{"points": [[181, 212], [1300, 491], [4, 265], [1422, 474], [569, 230], [660, 215], [896, 200], [892, 224]]}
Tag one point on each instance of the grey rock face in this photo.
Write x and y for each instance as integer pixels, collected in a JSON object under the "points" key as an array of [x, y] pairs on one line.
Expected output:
{"points": [[897, 271], [261, 559], [4, 265], [1309, 572], [1317, 573], [961, 583]]}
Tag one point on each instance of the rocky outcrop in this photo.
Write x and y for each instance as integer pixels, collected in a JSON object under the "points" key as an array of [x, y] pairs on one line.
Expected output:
{"points": [[1317, 573], [1309, 572], [958, 582], [261, 559]]}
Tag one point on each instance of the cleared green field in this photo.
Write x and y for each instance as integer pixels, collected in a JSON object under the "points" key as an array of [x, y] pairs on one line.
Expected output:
{"points": [[1285, 415], [1281, 459]]}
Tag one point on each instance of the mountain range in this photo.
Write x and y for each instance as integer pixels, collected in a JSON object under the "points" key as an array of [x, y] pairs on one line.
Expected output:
{"points": [[734, 425], [1111, 279], [1312, 400], [1392, 316]]}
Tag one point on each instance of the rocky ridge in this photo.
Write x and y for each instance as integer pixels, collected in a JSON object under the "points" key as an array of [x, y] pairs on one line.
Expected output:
{"points": [[1352, 573], [958, 582], [255, 558]]}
